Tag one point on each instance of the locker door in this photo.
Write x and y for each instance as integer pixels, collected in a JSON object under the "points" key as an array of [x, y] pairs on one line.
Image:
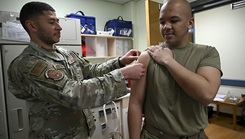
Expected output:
{"points": [[16, 108], [3, 119]]}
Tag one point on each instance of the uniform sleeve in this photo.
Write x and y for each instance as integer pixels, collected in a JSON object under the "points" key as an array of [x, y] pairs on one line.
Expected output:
{"points": [[39, 81], [94, 70]]}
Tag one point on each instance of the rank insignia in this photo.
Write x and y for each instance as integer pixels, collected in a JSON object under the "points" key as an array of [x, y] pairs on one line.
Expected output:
{"points": [[54, 74], [39, 67]]}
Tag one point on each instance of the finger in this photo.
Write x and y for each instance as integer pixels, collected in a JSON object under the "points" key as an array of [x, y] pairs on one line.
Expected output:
{"points": [[152, 47], [150, 52], [138, 53]]}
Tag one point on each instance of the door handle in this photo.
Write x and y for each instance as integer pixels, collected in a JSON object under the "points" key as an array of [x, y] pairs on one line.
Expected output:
{"points": [[17, 119]]}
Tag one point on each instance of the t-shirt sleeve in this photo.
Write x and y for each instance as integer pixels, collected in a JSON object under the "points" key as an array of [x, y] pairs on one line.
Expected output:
{"points": [[211, 58]]}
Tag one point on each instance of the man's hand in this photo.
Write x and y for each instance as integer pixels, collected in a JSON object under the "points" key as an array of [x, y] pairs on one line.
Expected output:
{"points": [[130, 56], [133, 71], [160, 54]]}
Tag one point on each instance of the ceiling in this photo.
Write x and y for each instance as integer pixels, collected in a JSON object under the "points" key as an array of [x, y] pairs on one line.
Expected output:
{"points": [[125, 1], [120, 1]]}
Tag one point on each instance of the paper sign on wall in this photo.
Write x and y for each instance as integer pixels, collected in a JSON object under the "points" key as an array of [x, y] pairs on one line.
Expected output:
{"points": [[14, 31]]}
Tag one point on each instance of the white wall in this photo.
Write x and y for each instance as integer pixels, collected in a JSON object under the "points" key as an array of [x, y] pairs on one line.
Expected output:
{"points": [[100, 9], [140, 38], [224, 29], [103, 11]]}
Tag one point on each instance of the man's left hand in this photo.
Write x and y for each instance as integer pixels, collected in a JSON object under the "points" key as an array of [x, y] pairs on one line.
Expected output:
{"points": [[160, 54]]}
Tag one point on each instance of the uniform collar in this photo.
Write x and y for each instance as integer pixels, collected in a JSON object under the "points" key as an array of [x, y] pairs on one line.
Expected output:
{"points": [[55, 55]]}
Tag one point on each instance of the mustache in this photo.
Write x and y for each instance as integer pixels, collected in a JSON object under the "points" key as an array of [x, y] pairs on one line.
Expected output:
{"points": [[57, 33], [168, 32]]}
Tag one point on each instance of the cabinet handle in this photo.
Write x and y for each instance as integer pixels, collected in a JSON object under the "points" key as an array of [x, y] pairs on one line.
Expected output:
{"points": [[17, 119]]}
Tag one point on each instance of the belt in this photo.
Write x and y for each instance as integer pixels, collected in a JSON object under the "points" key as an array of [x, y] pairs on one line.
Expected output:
{"points": [[161, 135]]}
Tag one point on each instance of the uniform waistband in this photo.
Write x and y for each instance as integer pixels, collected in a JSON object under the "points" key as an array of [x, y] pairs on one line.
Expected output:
{"points": [[161, 135]]}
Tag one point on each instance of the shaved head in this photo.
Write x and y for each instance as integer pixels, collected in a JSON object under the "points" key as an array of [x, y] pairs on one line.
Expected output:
{"points": [[182, 5], [175, 20]]}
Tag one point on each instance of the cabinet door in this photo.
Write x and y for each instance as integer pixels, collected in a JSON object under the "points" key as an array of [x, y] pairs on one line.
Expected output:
{"points": [[70, 33], [123, 46], [106, 47], [95, 46], [101, 47]]}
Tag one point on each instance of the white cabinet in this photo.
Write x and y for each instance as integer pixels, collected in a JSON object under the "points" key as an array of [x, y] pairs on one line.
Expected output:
{"points": [[106, 47], [124, 111], [70, 33]]}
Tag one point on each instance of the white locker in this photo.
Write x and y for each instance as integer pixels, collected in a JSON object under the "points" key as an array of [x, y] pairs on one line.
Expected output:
{"points": [[3, 118], [15, 108]]}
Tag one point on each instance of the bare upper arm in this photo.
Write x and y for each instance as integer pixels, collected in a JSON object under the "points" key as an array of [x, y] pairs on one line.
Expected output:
{"points": [[138, 86], [213, 77], [144, 58]]}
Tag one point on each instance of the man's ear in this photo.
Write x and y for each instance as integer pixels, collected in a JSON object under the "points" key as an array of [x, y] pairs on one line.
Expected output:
{"points": [[30, 25], [191, 23]]}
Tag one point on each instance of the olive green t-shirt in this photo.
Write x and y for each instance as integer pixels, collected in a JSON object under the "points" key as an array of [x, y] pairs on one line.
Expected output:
{"points": [[167, 107]]}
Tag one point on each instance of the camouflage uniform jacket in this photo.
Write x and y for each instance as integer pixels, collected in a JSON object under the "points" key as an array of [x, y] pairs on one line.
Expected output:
{"points": [[60, 88]]}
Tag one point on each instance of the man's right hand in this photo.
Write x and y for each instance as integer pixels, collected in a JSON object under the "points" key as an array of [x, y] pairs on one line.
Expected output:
{"points": [[134, 71]]}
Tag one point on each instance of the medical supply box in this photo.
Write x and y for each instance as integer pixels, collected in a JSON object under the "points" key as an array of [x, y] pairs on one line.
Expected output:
{"points": [[119, 27], [88, 23]]}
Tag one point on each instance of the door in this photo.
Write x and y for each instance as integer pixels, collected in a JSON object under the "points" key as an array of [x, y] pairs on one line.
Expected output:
{"points": [[16, 108], [152, 23]]}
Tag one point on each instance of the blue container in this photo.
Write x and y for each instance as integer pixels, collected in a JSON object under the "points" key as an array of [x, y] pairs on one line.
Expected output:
{"points": [[119, 27], [88, 23]]}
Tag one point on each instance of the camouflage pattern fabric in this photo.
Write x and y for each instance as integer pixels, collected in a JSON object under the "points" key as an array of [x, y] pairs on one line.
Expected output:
{"points": [[60, 88]]}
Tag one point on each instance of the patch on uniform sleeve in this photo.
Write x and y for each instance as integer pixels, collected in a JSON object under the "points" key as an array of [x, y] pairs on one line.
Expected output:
{"points": [[54, 74], [39, 67]]}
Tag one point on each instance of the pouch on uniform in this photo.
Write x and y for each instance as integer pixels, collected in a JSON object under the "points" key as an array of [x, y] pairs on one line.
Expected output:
{"points": [[119, 27], [88, 23]]}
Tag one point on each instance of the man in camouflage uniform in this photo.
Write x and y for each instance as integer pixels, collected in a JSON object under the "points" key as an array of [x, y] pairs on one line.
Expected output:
{"points": [[59, 86]]}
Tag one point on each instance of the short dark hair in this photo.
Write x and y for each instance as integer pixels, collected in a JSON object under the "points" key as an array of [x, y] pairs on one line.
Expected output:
{"points": [[33, 9]]}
